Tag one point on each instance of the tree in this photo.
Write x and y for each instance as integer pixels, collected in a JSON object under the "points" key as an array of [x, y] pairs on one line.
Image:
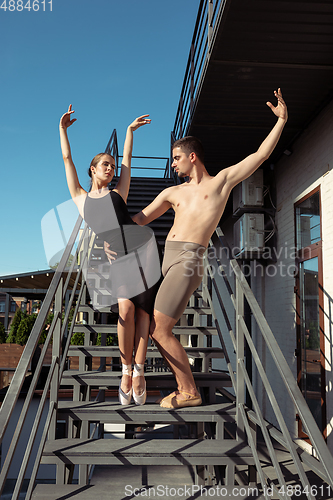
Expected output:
{"points": [[11, 339], [46, 328], [77, 338], [2, 334], [25, 328], [68, 264]]}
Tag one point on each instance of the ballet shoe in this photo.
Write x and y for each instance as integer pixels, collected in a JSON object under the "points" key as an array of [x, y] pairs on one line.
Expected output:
{"points": [[139, 399], [124, 399], [175, 403], [164, 398]]}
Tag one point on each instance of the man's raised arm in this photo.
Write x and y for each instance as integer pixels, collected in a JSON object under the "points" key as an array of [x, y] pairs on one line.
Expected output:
{"points": [[242, 170], [156, 208]]}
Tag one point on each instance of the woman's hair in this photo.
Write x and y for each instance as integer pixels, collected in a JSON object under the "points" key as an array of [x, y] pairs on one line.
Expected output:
{"points": [[94, 162]]}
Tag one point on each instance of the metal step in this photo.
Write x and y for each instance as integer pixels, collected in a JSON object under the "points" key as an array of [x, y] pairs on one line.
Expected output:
{"points": [[147, 452], [189, 310], [154, 380], [112, 412], [131, 486], [152, 352], [177, 330]]}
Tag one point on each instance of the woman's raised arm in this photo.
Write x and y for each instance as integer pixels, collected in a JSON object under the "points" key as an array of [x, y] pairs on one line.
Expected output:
{"points": [[75, 189], [123, 184]]}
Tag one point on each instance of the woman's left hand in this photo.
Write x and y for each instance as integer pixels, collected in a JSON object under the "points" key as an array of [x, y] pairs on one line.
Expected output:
{"points": [[138, 122], [109, 253]]}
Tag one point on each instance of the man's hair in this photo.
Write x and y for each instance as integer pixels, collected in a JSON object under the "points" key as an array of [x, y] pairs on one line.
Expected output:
{"points": [[191, 144]]}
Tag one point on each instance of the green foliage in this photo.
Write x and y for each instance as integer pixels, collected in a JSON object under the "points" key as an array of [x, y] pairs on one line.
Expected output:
{"points": [[68, 264], [11, 339], [45, 330], [77, 338], [312, 337], [2, 334], [24, 328], [110, 339]]}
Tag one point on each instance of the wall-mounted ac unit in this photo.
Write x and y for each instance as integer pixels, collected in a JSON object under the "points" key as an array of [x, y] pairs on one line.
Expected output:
{"points": [[248, 194], [249, 237]]}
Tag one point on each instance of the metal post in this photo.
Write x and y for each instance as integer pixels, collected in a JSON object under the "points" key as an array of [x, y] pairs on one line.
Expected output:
{"points": [[240, 392], [56, 347], [210, 24], [192, 80]]}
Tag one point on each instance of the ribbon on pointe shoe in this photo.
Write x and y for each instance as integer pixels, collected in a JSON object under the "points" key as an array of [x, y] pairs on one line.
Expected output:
{"points": [[139, 399]]}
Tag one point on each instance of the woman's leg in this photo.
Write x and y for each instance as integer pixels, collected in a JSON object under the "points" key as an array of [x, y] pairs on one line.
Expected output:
{"points": [[142, 322], [126, 333]]}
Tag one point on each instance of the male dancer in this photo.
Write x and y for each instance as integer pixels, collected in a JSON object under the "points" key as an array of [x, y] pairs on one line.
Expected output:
{"points": [[198, 204]]}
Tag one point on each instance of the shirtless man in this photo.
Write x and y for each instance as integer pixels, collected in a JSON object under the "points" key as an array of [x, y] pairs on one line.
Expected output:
{"points": [[198, 204]]}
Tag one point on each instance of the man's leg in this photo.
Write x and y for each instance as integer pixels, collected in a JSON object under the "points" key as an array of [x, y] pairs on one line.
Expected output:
{"points": [[175, 355]]}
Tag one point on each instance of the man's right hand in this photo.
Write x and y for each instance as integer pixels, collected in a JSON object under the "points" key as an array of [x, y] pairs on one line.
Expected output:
{"points": [[109, 253]]}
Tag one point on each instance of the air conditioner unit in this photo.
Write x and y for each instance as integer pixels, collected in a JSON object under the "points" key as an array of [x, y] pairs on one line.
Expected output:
{"points": [[248, 194], [249, 237]]}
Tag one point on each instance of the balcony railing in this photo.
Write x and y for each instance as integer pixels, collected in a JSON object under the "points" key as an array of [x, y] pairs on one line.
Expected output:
{"points": [[206, 27]]}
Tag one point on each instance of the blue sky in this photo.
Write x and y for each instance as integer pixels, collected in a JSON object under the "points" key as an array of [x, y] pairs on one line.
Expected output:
{"points": [[113, 60]]}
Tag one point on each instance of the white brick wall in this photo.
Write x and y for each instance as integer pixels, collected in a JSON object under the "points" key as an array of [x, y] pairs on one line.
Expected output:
{"points": [[308, 167]]}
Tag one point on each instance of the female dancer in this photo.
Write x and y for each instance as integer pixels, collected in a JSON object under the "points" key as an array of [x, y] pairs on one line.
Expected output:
{"points": [[132, 284]]}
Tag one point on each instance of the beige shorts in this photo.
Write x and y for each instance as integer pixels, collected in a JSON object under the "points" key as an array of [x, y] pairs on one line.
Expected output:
{"points": [[182, 269]]}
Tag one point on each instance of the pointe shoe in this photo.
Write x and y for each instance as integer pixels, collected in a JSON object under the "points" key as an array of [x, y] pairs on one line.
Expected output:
{"points": [[139, 372], [125, 398]]}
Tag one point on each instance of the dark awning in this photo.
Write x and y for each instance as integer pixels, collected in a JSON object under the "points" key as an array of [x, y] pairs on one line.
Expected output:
{"points": [[262, 45]]}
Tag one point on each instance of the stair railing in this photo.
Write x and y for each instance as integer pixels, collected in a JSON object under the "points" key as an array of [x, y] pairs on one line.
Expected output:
{"points": [[323, 464], [112, 148], [206, 28], [66, 282]]}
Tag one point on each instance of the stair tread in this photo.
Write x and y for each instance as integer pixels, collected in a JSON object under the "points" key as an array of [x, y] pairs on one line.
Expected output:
{"points": [[147, 451], [150, 412], [199, 376], [177, 330], [97, 349], [118, 488], [153, 379], [188, 310]]}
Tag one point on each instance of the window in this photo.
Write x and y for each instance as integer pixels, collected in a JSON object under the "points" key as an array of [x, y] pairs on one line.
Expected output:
{"points": [[308, 221], [309, 305]]}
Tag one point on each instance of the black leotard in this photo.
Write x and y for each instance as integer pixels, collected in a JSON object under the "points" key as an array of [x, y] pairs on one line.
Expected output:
{"points": [[135, 273]]}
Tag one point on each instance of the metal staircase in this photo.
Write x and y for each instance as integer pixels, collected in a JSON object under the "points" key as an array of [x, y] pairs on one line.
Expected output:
{"points": [[223, 443]]}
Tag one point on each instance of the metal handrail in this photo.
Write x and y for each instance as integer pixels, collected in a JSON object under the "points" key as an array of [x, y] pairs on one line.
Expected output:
{"points": [[206, 28], [56, 292], [243, 291], [113, 150]]}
